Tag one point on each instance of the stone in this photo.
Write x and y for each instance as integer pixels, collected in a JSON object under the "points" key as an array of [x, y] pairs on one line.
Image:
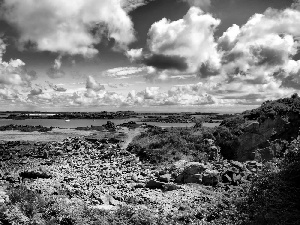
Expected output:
{"points": [[140, 185], [194, 168], [108, 200], [165, 178], [135, 178], [35, 174], [193, 178], [171, 187], [105, 207], [238, 165], [153, 184], [211, 177], [192, 173]]}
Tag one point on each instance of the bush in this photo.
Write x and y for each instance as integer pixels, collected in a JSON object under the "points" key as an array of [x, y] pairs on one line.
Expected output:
{"points": [[274, 198], [158, 145]]}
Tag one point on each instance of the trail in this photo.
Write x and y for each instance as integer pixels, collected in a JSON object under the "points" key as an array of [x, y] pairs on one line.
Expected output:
{"points": [[130, 135]]}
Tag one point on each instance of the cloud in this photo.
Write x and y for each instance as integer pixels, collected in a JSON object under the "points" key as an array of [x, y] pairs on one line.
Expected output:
{"points": [[93, 85], [56, 88], [130, 5], [182, 45], [55, 71], [14, 72], [35, 92], [135, 54], [124, 71], [262, 48], [164, 62], [203, 4], [69, 27]]}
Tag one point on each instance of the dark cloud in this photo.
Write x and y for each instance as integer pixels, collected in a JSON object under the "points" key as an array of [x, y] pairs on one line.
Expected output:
{"points": [[269, 56], [206, 71], [291, 82], [164, 62], [231, 56], [54, 73], [246, 97], [35, 92]]}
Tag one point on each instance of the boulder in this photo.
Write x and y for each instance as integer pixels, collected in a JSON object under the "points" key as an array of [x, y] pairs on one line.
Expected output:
{"points": [[153, 184], [238, 165], [191, 173], [31, 174], [171, 187], [165, 178], [211, 177]]}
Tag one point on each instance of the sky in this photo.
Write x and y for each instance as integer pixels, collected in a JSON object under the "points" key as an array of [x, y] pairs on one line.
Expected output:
{"points": [[147, 55]]}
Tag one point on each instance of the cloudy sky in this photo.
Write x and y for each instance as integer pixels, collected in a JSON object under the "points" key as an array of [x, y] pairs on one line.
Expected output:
{"points": [[147, 55]]}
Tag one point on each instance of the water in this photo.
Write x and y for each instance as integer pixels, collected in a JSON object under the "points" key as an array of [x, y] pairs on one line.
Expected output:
{"points": [[88, 122]]}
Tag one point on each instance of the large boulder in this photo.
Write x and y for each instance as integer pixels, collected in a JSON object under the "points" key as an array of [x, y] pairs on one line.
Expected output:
{"points": [[153, 184], [192, 173], [34, 174], [211, 177]]}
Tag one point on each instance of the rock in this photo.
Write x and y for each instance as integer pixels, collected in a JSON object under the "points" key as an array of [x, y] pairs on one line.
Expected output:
{"points": [[194, 168], [226, 178], [109, 200], [193, 178], [4, 198], [238, 165], [211, 177], [236, 179], [171, 187], [140, 185], [105, 207], [165, 178], [191, 173], [153, 184], [213, 153], [35, 174], [135, 178]]}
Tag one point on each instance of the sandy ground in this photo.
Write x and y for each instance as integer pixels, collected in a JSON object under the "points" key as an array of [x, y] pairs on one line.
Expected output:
{"points": [[55, 135], [58, 134]]}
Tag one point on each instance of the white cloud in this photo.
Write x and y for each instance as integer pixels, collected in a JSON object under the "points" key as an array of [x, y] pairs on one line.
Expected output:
{"points": [[182, 45], [124, 71], [14, 71], [261, 51], [203, 4], [65, 26], [135, 54], [92, 84], [130, 5]]}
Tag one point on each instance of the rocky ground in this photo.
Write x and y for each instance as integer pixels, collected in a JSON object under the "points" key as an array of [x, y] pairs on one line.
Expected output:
{"points": [[105, 176]]}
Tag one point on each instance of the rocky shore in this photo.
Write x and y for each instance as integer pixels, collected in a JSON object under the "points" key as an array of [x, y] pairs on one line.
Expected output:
{"points": [[106, 177]]}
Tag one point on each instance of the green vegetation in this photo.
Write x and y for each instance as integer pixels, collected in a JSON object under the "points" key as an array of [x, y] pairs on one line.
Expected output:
{"points": [[270, 109], [159, 145]]}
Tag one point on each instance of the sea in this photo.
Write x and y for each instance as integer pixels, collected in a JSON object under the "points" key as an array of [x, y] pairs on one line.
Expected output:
{"points": [[90, 122]]}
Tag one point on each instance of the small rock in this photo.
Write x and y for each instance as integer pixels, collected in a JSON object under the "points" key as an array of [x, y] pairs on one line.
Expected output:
{"points": [[140, 185], [135, 178], [165, 178], [171, 187], [153, 184], [237, 165]]}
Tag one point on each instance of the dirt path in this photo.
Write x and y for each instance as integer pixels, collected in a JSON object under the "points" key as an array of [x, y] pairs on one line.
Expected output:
{"points": [[130, 135]]}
